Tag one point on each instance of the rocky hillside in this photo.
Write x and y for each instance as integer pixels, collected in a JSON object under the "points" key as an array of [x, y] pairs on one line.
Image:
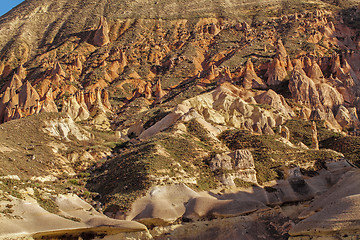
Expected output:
{"points": [[196, 119]]}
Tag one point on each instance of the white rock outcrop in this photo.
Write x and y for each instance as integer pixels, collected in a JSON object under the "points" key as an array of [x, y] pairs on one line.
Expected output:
{"points": [[64, 127], [224, 108]]}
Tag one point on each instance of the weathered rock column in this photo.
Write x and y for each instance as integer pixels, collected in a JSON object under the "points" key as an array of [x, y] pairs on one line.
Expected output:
{"points": [[314, 137]]}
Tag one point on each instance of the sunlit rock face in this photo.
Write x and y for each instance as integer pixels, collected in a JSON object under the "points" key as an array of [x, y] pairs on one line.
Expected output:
{"points": [[239, 117]]}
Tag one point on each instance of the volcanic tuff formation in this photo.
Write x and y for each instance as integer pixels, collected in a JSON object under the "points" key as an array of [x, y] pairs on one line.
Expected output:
{"points": [[168, 112]]}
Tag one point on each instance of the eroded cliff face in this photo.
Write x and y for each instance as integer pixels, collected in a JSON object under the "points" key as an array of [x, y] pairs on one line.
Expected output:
{"points": [[314, 54], [130, 103]]}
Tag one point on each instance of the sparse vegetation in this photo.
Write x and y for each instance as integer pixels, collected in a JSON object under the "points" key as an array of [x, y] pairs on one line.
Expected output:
{"points": [[349, 146], [300, 131], [11, 187], [46, 202], [132, 172], [270, 154], [241, 183]]}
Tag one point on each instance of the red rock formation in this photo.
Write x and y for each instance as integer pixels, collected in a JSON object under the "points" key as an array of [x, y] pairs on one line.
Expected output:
{"points": [[281, 51], [335, 64], [15, 82], [122, 61], [98, 107], [251, 80], [105, 99], [159, 93], [276, 72], [7, 95], [314, 137], [6, 71], [14, 101], [138, 91], [225, 76], [212, 73], [83, 113], [303, 89], [289, 66], [21, 72], [78, 64], [71, 107], [314, 72], [307, 63], [101, 37], [58, 70], [90, 98], [49, 103], [276, 101], [244, 26], [148, 91], [2, 65], [17, 113], [80, 98], [28, 96], [113, 70], [329, 96], [346, 117], [9, 113], [5, 98]]}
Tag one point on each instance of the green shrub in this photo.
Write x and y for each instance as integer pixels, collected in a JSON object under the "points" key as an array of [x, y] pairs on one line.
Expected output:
{"points": [[74, 181], [196, 129], [46, 203], [241, 183], [349, 146]]}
